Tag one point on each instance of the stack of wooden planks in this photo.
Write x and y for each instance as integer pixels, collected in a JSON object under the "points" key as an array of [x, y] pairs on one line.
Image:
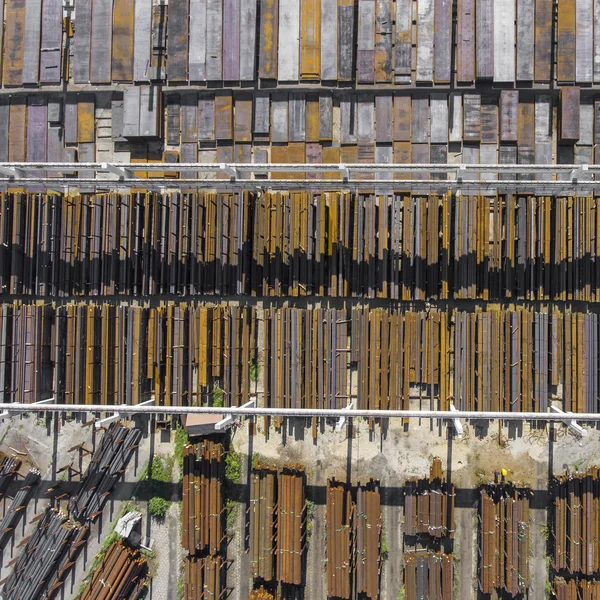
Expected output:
{"points": [[428, 575], [576, 523], [353, 540], [202, 519], [429, 506], [504, 540], [123, 571]]}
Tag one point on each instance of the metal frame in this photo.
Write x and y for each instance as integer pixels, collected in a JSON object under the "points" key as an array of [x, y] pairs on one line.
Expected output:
{"points": [[15, 409], [558, 179]]}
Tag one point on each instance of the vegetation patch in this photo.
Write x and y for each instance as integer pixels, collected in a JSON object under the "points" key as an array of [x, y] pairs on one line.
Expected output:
{"points": [[254, 370], [156, 484], [218, 397], [233, 467]]}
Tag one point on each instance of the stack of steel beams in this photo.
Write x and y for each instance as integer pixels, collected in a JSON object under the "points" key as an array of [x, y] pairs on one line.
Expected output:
{"points": [[15, 511], [108, 464], [9, 467], [50, 552], [576, 523], [263, 523], [429, 505], [575, 590], [428, 575], [202, 521], [353, 540], [504, 540], [121, 575], [291, 525]]}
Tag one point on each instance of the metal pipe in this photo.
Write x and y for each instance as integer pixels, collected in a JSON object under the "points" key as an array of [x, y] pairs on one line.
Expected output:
{"points": [[19, 408]]}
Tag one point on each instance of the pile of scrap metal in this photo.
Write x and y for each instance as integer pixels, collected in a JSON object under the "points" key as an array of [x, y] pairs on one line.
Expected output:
{"points": [[504, 539], [429, 505], [106, 467], [353, 540], [577, 522], [277, 537], [49, 554], [15, 511], [121, 575], [202, 520]]}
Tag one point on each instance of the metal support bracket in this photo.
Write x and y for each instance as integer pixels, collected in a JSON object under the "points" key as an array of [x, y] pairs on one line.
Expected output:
{"points": [[116, 416], [577, 430], [457, 424], [577, 173], [233, 173], [342, 420], [12, 172], [119, 171], [7, 414], [227, 422], [345, 172], [461, 173]]}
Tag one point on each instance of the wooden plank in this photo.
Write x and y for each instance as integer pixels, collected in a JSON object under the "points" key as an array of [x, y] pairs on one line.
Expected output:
{"points": [[289, 40], [325, 117], [472, 117], [279, 117], [504, 41], [312, 118], [224, 116], [206, 118], [420, 120], [16, 134], [243, 118], [177, 41], [566, 51], [425, 40], [443, 41], [231, 40], [456, 118], [465, 70], [403, 41], [261, 113], [509, 111], [525, 39], [439, 118], [402, 118], [543, 40], [584, 47], [365, 49], [141, 41], [14, 42], [384, 118], [197, 41], [122, 42], [383, 42], [214, 40], [345, 40], [32, 41], [297, 116], [329, 39], [269, 28], [483, 39], [569, 114], [86, 120], [101, 40], [37, 128], [310, 39], [131, 112], [248, 40]]}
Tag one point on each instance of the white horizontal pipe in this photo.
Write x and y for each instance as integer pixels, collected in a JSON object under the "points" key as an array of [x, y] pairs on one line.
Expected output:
{"points": [[18, 408]]}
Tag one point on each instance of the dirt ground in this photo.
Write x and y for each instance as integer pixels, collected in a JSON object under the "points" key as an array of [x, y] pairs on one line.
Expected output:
{"points": [[398, 452]]}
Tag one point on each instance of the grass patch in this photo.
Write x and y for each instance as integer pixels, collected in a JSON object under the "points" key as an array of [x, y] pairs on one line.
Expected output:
{"points": [[384, 549], [254, 370], [579, 465], [310, 516], [232, 509], [233, 467], [218, 396], [401, 592], [548, 589], [181, 439], [156, 483], [545, 531], [158, 507]]}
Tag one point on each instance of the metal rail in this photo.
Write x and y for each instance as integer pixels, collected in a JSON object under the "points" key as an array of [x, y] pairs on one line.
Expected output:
{"points": [[18, 408], [236, 176]]}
